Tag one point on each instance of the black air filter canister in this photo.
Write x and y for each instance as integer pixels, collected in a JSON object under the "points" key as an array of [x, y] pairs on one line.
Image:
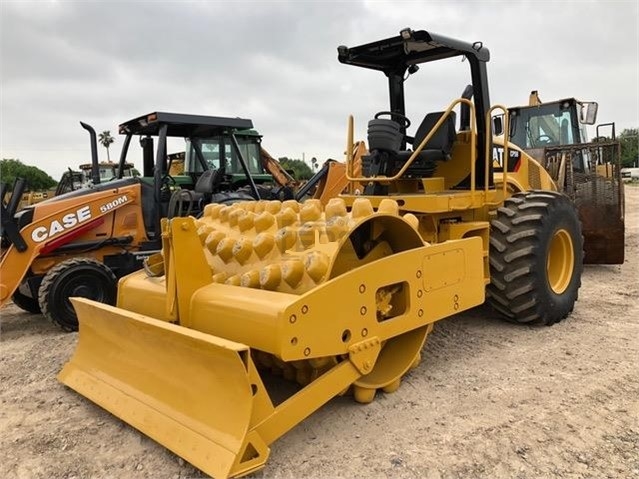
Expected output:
{"points": [[384, 135]]}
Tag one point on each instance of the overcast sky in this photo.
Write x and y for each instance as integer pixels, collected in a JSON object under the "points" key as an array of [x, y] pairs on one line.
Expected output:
{"points": [[276, 63]]}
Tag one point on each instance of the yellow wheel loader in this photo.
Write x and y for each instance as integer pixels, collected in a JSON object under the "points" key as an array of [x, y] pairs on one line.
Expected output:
{"points": [[338, 298], [554, 133], [80, 242]]}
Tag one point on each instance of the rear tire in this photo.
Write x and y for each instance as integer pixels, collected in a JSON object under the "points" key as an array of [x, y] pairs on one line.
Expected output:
{"points": [[26, 303], [84, 277], [536, 258], [232, 197]]}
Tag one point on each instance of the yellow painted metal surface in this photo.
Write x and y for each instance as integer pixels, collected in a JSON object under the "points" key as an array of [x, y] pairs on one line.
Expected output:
{"points": [[337, 296], [331, 298], [134, 287], [186, 390], [561, 261], [295, 327]]}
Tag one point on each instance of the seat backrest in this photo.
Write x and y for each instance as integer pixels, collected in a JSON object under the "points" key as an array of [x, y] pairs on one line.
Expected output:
{"points": [[148, 207], [209, 181], [443, 138]]}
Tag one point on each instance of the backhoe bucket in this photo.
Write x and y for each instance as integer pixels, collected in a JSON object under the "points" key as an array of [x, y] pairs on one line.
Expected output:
{"points": [[187, 390]]}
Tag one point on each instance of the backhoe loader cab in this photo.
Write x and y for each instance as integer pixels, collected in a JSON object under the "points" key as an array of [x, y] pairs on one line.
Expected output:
{"points": [[202, 180], [219, 153], [339, 297]]}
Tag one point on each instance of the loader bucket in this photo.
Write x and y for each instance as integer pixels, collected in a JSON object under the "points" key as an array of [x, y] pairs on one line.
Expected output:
{"points": [[604, 233], [598, 195], [187, 390]]}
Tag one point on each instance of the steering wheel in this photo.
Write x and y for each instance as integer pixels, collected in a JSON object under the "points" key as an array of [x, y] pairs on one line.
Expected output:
{"points": [[167, 184], [543, 139], [405, 121], [167, 180]]}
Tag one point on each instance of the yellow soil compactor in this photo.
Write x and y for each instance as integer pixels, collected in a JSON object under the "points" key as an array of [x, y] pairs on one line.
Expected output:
{"points": [[339, 298]]}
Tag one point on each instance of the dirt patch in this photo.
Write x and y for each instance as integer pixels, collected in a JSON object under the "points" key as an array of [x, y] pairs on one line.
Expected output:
{"points": [[490, 399]]}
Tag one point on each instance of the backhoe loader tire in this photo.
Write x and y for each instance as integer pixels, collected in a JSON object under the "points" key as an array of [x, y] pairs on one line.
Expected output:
{"points": [[536, 258], [84, 277], [232, 197], [24, 302]]}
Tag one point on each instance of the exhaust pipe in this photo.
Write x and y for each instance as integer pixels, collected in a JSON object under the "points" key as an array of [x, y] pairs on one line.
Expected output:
{"points": [[9, 230], [95, 169], [18, 189]]}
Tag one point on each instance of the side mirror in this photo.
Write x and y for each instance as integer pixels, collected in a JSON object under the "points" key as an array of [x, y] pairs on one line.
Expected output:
{"points": [[498, 125], [589, 112]]}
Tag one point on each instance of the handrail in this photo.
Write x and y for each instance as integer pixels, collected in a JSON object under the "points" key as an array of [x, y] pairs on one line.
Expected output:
{"points": [[349, 147], [473, 127]]}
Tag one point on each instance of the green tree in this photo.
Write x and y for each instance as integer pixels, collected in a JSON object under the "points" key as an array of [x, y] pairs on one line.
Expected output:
{"points": [[106, 140], [629, 139], [10, 169], [301, 170]]}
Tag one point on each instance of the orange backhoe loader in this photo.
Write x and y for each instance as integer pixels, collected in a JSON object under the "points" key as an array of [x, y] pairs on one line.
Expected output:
{"points": [[81, 242]]}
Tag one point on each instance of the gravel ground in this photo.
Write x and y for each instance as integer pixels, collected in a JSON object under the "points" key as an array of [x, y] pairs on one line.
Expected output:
{"points": [[489, 399]]}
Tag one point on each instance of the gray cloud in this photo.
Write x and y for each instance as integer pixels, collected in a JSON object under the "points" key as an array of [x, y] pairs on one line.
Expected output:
{"points": [[275, 62]]}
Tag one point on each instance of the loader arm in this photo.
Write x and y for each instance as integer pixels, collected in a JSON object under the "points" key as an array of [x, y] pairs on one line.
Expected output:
{"points": [[276, 170], [335, 181], [54, 230]]}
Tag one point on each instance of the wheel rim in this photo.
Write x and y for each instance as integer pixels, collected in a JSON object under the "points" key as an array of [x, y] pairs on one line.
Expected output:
{"points": [[560, 262], [85, 285]]}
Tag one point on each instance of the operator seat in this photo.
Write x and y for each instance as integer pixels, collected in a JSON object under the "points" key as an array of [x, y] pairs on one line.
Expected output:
{"points": [[385, 158], [438, 148], [185, 202], [208, 183]]}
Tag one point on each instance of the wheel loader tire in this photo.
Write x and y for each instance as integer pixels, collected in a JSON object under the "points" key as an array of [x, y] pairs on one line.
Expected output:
{"points": [[24, 302], [536, 258], [84, 277]]}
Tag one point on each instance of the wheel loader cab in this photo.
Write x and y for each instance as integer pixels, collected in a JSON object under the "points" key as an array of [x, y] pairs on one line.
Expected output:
{"points": [[556, 123], [554, 134]]}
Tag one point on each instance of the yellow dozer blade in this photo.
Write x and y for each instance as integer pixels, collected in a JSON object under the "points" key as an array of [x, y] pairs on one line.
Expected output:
{"points": [[335, 300], [187, 390]]}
